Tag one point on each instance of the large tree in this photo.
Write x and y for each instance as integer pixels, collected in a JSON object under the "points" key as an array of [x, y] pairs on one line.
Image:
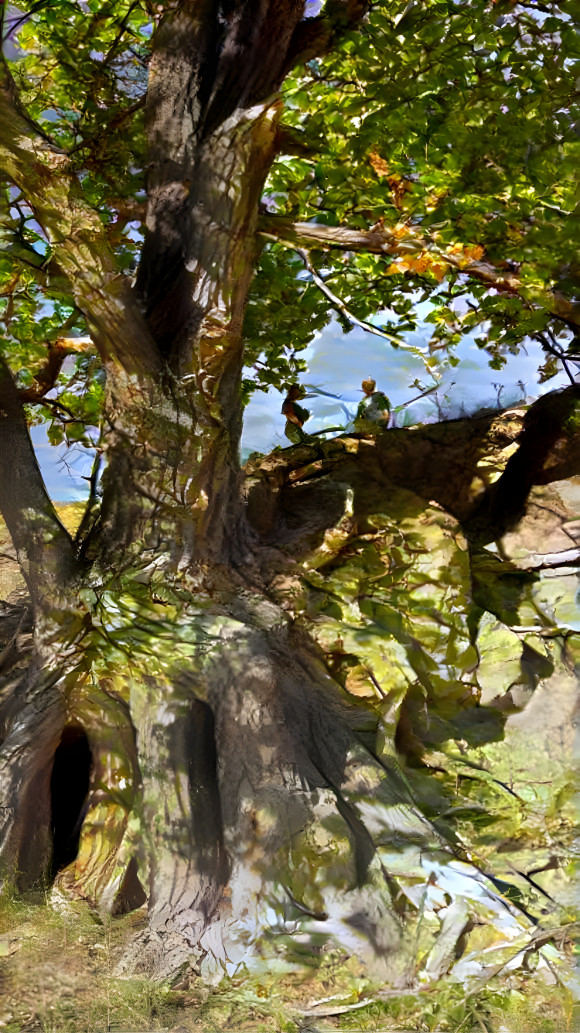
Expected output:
{"points": [[251, 674]]}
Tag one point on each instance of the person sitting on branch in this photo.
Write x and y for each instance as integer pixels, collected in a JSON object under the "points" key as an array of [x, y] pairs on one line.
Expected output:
{"points": [[373, 411], [295, 414]]}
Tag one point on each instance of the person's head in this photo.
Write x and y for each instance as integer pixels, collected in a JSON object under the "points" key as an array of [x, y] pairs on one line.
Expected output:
{"points": [[368, 385]]}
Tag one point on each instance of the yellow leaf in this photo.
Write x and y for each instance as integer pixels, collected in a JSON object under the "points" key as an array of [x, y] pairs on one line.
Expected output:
{"points": [[400, 266], [438, 269], [379, 164], [420, 264], [473, 252]]}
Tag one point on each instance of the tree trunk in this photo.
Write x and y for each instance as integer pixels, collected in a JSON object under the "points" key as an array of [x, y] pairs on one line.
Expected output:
{"points": [[191, 672], [227, 774]]}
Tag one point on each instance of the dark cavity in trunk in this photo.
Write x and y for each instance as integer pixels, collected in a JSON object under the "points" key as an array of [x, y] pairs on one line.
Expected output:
{"points": [[69, 789]]}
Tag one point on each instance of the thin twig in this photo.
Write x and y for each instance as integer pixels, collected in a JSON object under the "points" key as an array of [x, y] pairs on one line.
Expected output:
{"points": [[556, 351], [340, 305], [122, 26], [320, 916]]}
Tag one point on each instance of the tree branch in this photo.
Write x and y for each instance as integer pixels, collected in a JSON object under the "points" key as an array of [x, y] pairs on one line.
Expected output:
{"points": [[340, 306], [553, 560], [56, 354], [440, 462], [381, 240], [290, 140], [43, 547], [315, 37], [548, 432], [213, 83], [46, 272], [129, 209], [77, 236]]}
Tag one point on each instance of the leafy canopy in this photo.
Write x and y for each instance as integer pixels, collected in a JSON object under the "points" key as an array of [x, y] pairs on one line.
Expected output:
{"points": [[448, 123]]}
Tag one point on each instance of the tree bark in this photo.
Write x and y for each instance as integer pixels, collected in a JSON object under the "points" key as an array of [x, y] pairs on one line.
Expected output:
{"points": [[217, 721], [43, 547], [186, 638], [77, 237], [35, 722]]}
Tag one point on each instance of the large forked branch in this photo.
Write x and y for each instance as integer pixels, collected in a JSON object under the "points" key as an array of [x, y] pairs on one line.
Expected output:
{"points": [[211, 121], [380, 240], [76, 234], [43, 547], [446, 463]]}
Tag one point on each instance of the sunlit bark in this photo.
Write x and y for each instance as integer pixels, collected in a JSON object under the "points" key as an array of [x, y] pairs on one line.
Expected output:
{"points": [[230, 777]]}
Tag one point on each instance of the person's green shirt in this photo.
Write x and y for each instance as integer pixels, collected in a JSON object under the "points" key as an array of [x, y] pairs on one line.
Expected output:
{"points": [[373, 412]]}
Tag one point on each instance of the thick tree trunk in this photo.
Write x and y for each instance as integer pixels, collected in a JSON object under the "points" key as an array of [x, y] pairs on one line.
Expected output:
{"points": [[192, 672], [233, 763], [33, 716], [225, 774], [245, 776]]}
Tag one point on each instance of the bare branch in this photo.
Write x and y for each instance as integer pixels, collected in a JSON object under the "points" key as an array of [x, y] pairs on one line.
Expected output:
{"points": [[77, 236], [553, 560], [315, 37], [382, 240], [90, 519], [43, 547], [340, 306], [553, 348]]}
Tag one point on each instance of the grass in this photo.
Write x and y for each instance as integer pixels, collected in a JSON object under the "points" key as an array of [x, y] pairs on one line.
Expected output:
{"points": [[59, 973], [59, 959]]}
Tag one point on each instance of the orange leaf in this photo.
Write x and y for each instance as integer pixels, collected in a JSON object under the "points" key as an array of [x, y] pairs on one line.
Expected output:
{"points": [[379, 164], [420, 264], [438, 269], [473, 252], [400, 266]]}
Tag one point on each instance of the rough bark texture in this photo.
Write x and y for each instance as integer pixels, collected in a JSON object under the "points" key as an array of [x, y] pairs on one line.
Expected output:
{"points": [[235, 752], [43, 548]]}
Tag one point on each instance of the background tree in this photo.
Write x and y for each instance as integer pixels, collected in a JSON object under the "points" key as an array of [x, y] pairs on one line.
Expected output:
{"points": [[259, 677]]}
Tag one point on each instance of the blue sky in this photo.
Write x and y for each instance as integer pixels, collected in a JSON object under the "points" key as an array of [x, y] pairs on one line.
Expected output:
{"points": [[337, 363]]}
